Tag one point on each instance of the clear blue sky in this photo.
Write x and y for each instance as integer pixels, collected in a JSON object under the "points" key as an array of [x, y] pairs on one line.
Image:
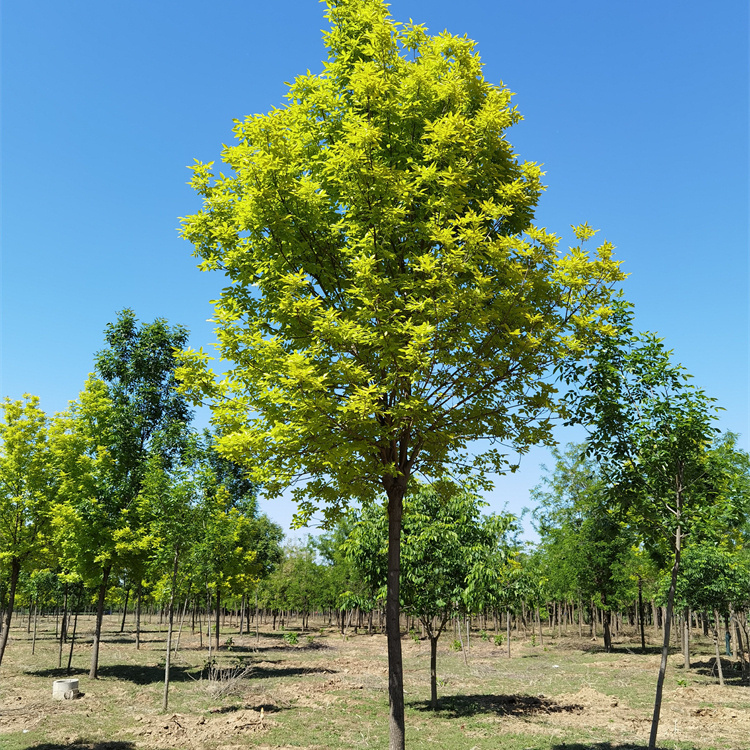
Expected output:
{"points": [[638, 111]]}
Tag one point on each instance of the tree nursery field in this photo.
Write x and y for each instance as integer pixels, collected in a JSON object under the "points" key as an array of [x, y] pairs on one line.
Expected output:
{"points": [[321, 690]]}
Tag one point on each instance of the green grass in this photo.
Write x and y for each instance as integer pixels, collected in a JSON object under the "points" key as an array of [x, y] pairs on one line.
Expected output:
{"points": [[331, 694]]}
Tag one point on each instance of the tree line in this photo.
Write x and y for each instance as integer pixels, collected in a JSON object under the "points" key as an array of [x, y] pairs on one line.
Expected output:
{"points": [[118, 492]]}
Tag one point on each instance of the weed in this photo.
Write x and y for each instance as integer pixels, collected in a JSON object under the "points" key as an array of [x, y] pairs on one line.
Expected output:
{"points": [[499, 640], [310, 640], [291, 638], [414, 635], [484, 635], [456, 646], [533, 640]]}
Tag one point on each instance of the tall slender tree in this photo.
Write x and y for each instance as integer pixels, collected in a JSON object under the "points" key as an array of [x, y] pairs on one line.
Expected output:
{"points": [[390, 301], [125, 415], [26, 492], [651, 431]]}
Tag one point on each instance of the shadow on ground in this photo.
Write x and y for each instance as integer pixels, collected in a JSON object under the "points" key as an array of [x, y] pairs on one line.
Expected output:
{"points": [[456, 706], [139, 675], [269, 708], [616, 746], [147, 675], [732, 672], [107, 745]]}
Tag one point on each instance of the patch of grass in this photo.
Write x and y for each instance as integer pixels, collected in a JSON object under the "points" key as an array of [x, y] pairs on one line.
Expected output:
{"points": [[334, 696]]}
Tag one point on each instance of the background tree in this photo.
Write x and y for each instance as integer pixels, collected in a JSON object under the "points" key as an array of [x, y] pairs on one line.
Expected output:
{"points": [[170, 501], [585, 538], [26, 492], [112, 435], [650, 431], [713, 580], [390, 301], [448, 551]]}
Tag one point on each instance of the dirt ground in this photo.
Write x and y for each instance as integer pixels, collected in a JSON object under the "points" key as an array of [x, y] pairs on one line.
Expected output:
{"points": [[331, 692]]}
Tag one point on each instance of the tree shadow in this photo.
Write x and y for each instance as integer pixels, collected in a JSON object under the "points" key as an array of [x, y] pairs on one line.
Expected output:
{"points": [[268, 708], [612, 746], [623, 648], [707, 668], [58, 674], [266, 672], [457, 706], [145, 675], [137, 674], [83, 745]]}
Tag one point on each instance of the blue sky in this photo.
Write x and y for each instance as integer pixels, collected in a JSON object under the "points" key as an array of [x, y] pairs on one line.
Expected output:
{"points": [[638, 111]]}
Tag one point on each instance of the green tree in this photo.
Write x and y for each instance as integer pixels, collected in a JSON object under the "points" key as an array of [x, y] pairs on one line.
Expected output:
{"points": [[121, 418], [390, 302], [170, 501], [448, 553], [26, 492], [713, 580], [651, 431], [585, 539]]}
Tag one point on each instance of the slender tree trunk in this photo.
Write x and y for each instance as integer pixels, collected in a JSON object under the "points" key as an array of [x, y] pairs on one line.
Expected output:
{"points": [[15, 571], [507, 630], [395, 489], [167, 663], [433, 669], [36, 613], [208, 621], [665, 645], [98, 626], [125, 609], [73, 635], [138, 615], [63, 628], [640, 614], [607, 623], [182, 621], [716, 648], [686, 637], [218, 616]]}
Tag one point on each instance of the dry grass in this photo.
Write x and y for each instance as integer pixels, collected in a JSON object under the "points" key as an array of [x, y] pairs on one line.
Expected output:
{"points": [[333, 694]]}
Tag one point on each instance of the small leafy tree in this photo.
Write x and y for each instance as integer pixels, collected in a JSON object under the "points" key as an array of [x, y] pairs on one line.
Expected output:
{"points": [[448, 553], [585, 538], [713, 580]]}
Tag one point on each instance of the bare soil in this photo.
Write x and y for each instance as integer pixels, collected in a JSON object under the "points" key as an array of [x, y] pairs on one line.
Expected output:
{"points": [[332, 693]]}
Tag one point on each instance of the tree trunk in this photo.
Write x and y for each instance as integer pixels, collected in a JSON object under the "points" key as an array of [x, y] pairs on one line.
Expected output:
{"points": [[182, 621], [433, 670], [36, 613], [607, 623], [716, 648], [686, 637], [63, 628], [138, 616], [665, 646], [15, 571], [98, 626], [125, 609], [507, 629], [167, 663], [218, 616], [640, 615], [397, 727]]}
